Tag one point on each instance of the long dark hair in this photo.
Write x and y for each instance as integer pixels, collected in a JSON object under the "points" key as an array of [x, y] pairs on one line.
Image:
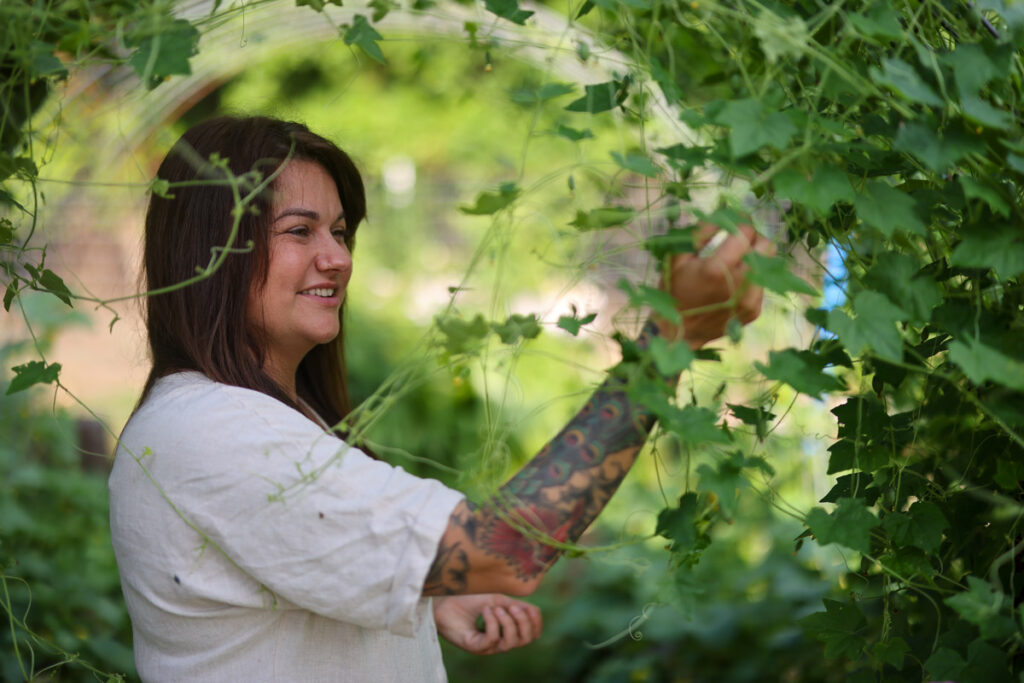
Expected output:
{"points": [[203, 326]]}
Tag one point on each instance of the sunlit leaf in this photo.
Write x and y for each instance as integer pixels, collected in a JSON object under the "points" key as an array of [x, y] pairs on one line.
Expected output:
{"points": [[753, 126], [671, 357], [802, 370], [492, 202], [548, 91], [605, 217], [365, 36], [826, 186], [873, 329], [659, 301], [572, 134], [517, 327]]}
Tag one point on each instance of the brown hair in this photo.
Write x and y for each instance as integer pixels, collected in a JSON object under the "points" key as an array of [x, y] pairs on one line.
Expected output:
{"points": [[203, 326]]}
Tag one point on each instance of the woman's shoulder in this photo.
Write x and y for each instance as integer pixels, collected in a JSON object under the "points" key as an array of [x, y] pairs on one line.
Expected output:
{"points": [[190, 402]]}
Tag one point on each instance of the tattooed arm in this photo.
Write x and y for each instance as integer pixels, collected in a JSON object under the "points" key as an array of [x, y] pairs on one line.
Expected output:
{"points": [[507, 544]]}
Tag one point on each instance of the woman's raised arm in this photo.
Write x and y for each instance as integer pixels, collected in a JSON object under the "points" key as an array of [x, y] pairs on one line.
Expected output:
{"points": [[499, 545]]}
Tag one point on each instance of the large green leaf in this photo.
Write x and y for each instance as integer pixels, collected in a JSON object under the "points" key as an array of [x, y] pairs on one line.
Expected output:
{"points": [[488, 203], [849, 525], [899, 277], [802, 370], [31, 373], [1001, 249], [921, 526], [508, 9], [826, 186], [936, 151], [599, 97], [365, 36], [772, 273], [839, 627], [887, 209], [901, 77], [873, 329], [982, 363], [604, 217], [753, 126], [164, 51]]}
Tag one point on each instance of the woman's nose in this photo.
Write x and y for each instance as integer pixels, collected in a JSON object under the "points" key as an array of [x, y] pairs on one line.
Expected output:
{"points": [[333, 255]]}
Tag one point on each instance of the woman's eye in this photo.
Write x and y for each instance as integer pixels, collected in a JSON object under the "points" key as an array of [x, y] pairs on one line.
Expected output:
{"points": [[340, 234], [298, 230]]}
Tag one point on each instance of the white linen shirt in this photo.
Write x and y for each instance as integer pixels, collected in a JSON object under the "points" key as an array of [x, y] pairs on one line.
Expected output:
{"points": [[253, 546]]}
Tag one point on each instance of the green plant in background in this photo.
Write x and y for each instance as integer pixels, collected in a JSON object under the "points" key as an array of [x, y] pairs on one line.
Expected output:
{"points": [[885, 134]]}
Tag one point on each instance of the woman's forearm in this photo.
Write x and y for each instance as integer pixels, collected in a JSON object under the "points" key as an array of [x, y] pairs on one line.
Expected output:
{"points": [[554, 498]]}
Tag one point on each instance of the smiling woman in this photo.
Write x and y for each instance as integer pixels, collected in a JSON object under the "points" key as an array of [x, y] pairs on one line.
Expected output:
{"points": [[253, 542]]}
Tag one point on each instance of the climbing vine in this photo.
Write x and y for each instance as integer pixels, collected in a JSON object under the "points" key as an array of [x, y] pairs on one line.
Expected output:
{"points": [[885, 134]]}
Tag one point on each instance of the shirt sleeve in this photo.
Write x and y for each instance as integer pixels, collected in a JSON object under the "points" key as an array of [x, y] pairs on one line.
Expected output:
{"points": [[315, 521]]}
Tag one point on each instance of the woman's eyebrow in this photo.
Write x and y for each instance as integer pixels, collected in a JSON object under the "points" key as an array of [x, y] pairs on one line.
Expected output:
{"points": [[306, 213]]}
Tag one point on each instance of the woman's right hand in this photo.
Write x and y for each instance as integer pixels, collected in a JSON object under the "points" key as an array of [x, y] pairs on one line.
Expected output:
{"points": [[700, 284]]}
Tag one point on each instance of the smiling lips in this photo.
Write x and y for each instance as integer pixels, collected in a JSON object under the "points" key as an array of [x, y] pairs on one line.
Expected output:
{"points": [[320, 291]]}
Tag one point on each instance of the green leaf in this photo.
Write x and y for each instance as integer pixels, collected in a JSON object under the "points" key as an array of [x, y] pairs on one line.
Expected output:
{"points": [[838, 627], [675, 241], [979, 111], [1002, 250], [758, 418], [44, 62], [820, 192], [573, 134], [546, 92], [975, 190], [6, 231], [9, 294], [725, 481], [572, 324], [849, 525], [637, 163], [972, 68], [600, 97], [982, 363], [488, 203], [33, 372], [508, 9], [52, 283], [685, 156], [381, 8], [881, 22], [517, 327], [887, 209], [462, 336], [671, 358], [317, 5], [898, 276], [921, 526], [695, 426], [772, 273], [937, 151], [678, 524], [873, 329], [944, 665], [904, 80], [980, 603], [800, 370], [365, 36], [166, 52], [780, 36], [754, 126], [891, 651], [659, 301], [605, 217]]}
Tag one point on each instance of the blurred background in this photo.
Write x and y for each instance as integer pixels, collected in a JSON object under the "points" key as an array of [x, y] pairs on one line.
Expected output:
{"points": [[442, 121]]}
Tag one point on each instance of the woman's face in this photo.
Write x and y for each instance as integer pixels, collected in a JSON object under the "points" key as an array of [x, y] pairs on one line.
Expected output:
{"points": [[310, 266]]}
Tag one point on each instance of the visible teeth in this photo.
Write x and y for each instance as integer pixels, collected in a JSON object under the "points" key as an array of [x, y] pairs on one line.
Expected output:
{"points": [[320, 292]]}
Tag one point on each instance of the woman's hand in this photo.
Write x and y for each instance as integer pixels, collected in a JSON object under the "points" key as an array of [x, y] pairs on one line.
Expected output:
{"points": [[700, 285], [508, 623]]}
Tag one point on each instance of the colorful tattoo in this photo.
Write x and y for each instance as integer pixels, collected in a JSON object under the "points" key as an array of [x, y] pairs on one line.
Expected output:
{"points": [[556, 496]]}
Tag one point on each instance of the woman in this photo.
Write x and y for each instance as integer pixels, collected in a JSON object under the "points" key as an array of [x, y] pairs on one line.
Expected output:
{"points": [[254, 544]]}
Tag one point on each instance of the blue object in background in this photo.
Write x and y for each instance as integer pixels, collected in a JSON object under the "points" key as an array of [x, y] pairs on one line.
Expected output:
{"points": [[836, 277]]}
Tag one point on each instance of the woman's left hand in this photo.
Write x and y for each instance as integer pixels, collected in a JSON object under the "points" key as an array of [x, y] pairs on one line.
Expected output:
{"points": [[507, 623]]}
